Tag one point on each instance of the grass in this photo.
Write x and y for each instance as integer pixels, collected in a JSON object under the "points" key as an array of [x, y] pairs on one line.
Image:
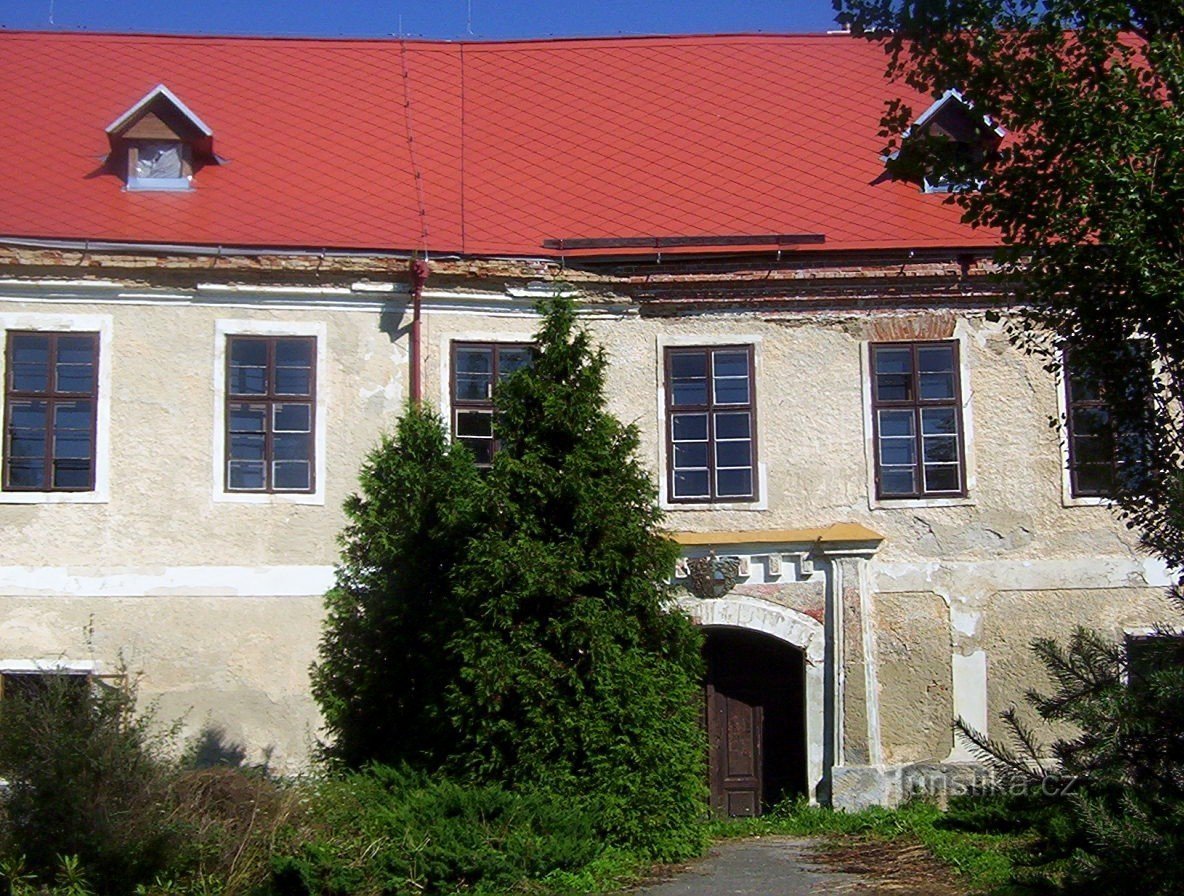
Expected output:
{"points": [[984, 863]]}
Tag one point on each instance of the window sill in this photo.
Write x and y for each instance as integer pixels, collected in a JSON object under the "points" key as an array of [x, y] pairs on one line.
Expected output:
{"points": [[315, 499], [93, 497], [1087, 501], [906, 503], [669, 506]]}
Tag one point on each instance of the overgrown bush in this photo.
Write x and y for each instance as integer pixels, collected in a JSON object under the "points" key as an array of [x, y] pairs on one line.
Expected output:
{"points": [[86, 778], [95, 804], [394, 831]]}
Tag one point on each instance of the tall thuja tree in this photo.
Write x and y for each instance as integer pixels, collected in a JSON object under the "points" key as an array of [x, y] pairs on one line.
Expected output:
{"points": [[576, 674], [384, 662]]}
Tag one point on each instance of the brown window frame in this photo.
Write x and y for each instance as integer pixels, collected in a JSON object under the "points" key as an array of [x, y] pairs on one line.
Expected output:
{"points": [[483, 406], [53, 397], [711, 410], [1072, 409], [271, 398], [917, 405]]}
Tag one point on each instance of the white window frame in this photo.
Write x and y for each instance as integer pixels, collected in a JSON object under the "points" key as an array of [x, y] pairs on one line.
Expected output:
{"points": [[223, 329], [69, 323], [962, 337], [761, 472]]}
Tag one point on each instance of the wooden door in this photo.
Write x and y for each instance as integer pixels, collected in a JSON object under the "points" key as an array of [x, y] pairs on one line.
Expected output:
{"points": [[735, 722]]}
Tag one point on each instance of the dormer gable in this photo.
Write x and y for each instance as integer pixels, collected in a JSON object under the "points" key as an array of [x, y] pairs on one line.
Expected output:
{"points": [[159, 143], [945, 147]]}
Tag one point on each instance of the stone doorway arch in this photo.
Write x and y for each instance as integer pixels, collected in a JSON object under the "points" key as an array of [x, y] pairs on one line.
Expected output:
{"points": [[746, 613]]}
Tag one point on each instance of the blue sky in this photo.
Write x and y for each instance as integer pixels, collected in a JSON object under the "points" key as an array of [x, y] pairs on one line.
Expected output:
{"points": [[454, 19]]}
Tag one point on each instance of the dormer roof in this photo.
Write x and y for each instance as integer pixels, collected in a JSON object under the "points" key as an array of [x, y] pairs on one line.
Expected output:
{"points": [[163, 106]]}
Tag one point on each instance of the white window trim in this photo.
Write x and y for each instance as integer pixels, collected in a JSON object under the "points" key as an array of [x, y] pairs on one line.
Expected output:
{"points": [[67, 323], [962, 337], [223, 329], [1067, 499], [49, 666], [762, 480]]}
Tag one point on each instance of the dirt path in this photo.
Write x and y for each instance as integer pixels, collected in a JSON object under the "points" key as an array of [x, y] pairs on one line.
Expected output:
{"points": [[792, 866]]}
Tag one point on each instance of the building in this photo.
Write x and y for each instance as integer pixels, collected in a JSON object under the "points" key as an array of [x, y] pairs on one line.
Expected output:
{"points": [[227, 263]]}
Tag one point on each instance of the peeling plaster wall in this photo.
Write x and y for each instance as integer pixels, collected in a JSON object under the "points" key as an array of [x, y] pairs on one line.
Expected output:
{"points": [[916, 702], [1013, 619], [240, 663], [936, 628]]}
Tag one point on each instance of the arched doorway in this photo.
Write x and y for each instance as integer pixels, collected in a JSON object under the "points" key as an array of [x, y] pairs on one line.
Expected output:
{"points": [[755, 712]]}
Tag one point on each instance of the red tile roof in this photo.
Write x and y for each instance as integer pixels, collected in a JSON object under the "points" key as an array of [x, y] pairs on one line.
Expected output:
{"points": [[342, 144]]}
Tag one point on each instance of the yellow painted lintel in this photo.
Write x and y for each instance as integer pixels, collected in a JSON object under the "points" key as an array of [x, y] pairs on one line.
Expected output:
{"points": [[836, 532]]}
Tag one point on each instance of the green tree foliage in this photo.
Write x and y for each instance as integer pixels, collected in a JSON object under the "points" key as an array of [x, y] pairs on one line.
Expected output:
{"points": [[575, 673], [385, 656], [1108, 798], [1086, 192], [515, 629]]}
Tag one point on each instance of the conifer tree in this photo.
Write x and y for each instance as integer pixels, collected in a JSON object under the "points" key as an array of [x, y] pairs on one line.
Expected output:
{"points": [[384, 657], [575, 673]]}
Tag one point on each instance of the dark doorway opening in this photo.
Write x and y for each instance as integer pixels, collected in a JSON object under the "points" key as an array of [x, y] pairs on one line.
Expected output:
{"points": [[756, 721]]}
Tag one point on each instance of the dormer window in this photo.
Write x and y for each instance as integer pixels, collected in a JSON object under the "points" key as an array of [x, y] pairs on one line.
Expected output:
{"points": [[159, 143], [946, 146]]}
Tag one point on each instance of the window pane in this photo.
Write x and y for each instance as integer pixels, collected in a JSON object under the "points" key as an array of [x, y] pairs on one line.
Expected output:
{"points": [[473, 377], [1091, 421], [939, 421], [943, 478], [731, 390], [29, 354], [293, 381], [896, 423], [731, 364], [935, 359], [248, 417], [690, 484], [75, 364], [898, 452], [937, 386], [690, 427], [72, 415], [733, 454], [158, 159], [1093, 479], [940, 449], [292, 446], [690, 455], [474, 423], [732, 426], [689, 393], [733, 483], [293, 353], [287, 474], [247, 446], [245, 352], [27, 415], [688, 379], [71, 473], [1093, 450], [510, 360], [293, 418], [688, 364], [246, 474], [26, 473], [893, 374], [27, 443], [897, 482], [71, 445]]}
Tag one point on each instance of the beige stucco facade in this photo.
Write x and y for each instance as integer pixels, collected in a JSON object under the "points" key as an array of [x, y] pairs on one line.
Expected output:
{"points": [[918, 611]]}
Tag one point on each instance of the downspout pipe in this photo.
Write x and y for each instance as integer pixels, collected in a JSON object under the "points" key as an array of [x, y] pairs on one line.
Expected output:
{"points": [[419, 276]]}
